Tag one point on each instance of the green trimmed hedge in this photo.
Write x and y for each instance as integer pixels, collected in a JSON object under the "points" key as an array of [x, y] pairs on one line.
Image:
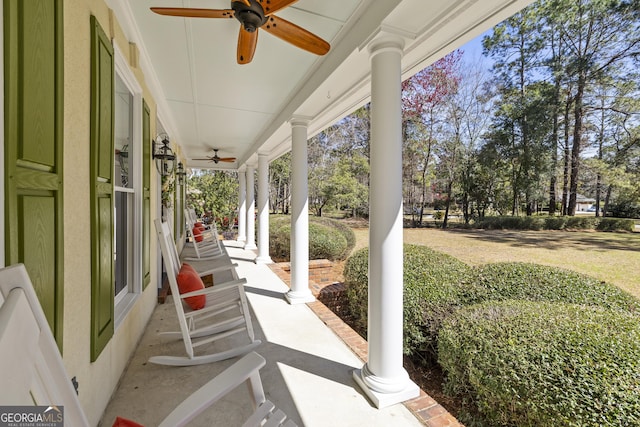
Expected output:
{"points": [[555, 223], [534, 282], [328, 238], [521, 363], [435, 285]]}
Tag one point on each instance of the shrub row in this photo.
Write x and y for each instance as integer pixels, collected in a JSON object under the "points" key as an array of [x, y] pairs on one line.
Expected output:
{"points": [[328, 238], [524, 344], [533, 364], [555, 223], [436, 285], [534, 282]]}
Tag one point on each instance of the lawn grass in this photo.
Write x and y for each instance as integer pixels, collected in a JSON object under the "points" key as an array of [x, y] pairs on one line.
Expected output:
{"points": [[611, 257]]}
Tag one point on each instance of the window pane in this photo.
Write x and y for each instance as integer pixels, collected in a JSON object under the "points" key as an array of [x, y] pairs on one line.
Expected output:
{"points": [[123, 134], [120, 255]]}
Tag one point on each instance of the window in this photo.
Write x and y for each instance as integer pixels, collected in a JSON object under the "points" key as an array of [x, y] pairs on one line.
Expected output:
{"points": [[124, 164], [127, 224]]}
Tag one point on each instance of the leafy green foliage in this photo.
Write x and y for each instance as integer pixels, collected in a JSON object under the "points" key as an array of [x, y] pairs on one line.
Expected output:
{"points": [[511, 223], [214, 192], [435, 285], [625, 209], [616, 224], [555, 223], [521, 363], [328, 238], [344, 230], [534, 282], [339, 165]]}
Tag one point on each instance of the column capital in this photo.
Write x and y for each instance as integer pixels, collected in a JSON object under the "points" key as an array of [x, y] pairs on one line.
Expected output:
{"points": [[242, 169], [385, 41], [300, 121]]}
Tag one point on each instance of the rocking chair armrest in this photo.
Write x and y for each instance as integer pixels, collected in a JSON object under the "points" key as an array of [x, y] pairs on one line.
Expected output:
{"points": [[214, 289], [217, 269], [215, 389]]}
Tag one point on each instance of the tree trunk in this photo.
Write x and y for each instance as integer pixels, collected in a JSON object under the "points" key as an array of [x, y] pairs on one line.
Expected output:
{"points": [[600, 155], [607, 198], [445, 220], [577, 143], [567, 157], [554, 148]]}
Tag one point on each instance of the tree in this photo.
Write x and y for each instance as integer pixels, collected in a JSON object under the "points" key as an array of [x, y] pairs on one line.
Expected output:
{"points": [[423, 96], [215, 193], [467, 118], [600, 35], [280, 184], [339, 165], [519, 127]]}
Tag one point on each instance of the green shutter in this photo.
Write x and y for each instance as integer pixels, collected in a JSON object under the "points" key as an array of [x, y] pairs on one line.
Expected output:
{"points": [[146, 194], [102, 158], [33, 115]]}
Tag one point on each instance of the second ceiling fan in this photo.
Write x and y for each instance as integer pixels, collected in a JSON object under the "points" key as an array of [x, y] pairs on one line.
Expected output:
{"points": [[215, 158], [255, 14]]}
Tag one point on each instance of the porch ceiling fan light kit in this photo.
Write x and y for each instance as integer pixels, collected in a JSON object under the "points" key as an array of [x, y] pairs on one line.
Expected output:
{"points": [[253, 15]]}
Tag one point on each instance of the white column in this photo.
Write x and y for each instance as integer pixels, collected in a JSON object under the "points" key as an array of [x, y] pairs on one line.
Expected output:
{"points": [[300, 292], [263, 210], [251, 209], [242, 205], [383, 378]]}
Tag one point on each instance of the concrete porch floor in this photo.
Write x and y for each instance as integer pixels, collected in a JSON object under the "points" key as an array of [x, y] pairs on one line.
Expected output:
{"points": [[308, 373]]}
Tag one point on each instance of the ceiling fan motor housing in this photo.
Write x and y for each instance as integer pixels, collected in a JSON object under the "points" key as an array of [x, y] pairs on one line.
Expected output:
{"points": [[251, 17]]}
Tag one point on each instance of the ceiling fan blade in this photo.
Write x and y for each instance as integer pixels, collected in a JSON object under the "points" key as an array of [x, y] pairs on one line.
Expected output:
{"points": [[246, 45], [246, 2], [208, 158], [272, 6], [296, 35], [227, 159], [194, 13]]}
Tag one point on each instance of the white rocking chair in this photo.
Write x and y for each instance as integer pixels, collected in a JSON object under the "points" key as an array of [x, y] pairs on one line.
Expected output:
{"points": [[246, 370], [209, 246], [32, 372], [226, 313], [204, 266], [31, 368]]}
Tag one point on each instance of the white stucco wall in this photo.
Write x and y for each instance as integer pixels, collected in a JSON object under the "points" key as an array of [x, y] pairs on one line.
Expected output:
{"points": [[96, 380]]}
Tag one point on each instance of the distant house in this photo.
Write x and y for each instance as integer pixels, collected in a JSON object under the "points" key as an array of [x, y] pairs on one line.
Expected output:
{"points": [[583, 203]]}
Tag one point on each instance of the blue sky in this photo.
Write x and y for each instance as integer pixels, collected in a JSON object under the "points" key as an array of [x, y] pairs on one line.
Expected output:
{"points": [[473, 52]]}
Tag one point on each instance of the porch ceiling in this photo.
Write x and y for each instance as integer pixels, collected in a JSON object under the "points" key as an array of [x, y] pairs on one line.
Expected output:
{"points": [[206, 100]]}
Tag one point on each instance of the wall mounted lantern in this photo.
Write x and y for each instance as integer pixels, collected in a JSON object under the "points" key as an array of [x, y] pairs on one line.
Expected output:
{"points": [[163, 155], [180, 173]]}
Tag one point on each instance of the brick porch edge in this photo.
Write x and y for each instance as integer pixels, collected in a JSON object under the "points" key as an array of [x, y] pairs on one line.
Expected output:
{"points": [[424, 407]]}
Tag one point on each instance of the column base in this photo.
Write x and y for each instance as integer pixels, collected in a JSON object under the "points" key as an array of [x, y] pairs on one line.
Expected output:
{"points": [[299, 297], [250, 247], [407, 390], [241, 240], [263, 260]]}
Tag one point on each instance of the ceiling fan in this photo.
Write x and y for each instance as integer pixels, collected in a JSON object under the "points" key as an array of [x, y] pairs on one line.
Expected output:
{"points": [[215, 158], [255, 14]]}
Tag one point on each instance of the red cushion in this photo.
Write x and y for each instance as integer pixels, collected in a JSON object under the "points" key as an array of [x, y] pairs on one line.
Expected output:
{"points": [[123, 422], [198, 224], [197, 234], [189, 281]]}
